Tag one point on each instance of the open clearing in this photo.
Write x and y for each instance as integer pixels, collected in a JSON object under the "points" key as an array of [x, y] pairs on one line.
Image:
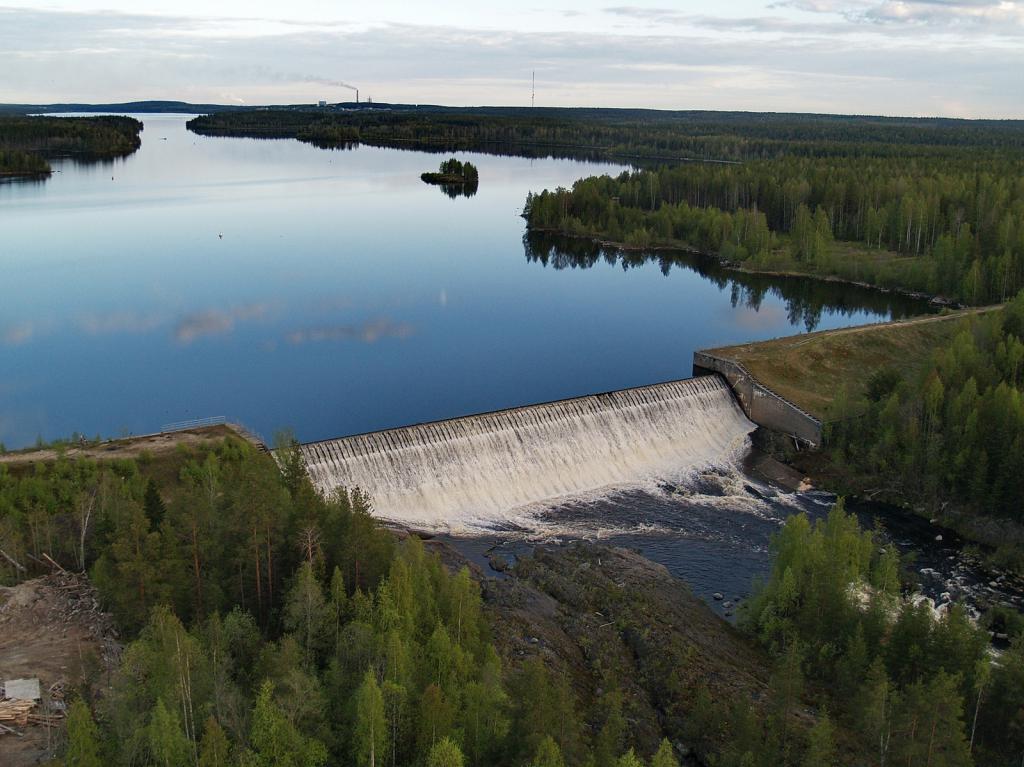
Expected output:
{"points": [[51, 628]]}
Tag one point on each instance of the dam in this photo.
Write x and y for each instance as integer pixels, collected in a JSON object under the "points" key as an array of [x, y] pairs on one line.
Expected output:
{"points": [[479, 470]]}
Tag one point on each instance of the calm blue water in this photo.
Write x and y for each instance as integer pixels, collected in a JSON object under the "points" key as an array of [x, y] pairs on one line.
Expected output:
{"points": [[332, 292]]}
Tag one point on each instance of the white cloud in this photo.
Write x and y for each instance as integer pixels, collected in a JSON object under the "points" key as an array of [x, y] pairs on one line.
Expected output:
{"points": [[803, 55]]}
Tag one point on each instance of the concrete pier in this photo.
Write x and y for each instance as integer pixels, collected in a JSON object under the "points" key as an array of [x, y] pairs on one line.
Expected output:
{"points": [[760, 404]]}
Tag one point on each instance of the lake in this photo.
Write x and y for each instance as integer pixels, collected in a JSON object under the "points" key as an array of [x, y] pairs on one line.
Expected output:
{"points": [[333, 292]]}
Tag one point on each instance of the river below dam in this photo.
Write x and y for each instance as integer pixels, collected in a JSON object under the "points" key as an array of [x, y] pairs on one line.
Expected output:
{"points": [[713, 532]]}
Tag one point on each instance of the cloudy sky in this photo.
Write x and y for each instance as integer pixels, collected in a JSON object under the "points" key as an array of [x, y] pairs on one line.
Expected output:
{"points": [[962, 58]]}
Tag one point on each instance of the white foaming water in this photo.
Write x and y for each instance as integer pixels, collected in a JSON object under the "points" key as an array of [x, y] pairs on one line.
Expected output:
{"points": [[501, 468]]}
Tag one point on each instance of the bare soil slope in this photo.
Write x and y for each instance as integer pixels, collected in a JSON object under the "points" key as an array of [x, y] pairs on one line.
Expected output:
{"points": [[51, 628]]}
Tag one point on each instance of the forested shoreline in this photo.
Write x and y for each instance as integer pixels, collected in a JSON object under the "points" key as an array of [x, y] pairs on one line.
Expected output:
{"points": [[954, 229], [629, 134], [267, 625], [26, 143], [925, 206]]}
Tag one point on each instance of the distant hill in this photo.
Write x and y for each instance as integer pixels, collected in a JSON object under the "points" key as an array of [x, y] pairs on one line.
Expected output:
{"points": [[548, 113], [128, 106]]}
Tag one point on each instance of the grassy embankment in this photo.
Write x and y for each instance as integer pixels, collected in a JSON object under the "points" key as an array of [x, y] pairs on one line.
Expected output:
{"points": [[810, 369], [817, 370]]}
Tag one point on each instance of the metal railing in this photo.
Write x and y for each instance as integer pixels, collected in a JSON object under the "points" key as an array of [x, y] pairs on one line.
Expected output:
{"points": [[194, 423]]}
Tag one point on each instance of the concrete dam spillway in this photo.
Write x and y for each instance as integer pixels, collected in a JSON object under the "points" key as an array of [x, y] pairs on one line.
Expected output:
{"points": [[480, 470]]}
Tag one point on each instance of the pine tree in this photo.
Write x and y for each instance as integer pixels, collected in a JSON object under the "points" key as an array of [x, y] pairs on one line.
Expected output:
{"points": [[306, 613], [215, 750], [445, 753], [167, 743], [548, 754], [664, 756], [276, 742], [821, 744], [83, 737], [370, 736], [154, 505], [629, 759]]}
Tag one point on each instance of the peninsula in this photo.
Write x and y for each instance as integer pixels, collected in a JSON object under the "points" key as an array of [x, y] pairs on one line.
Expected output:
{"points": [[27, 143]]}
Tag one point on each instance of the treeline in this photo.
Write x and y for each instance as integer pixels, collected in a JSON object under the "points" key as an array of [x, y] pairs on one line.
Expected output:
{"points": [[26, 142], [805, 299], [913, 688], [272, 626], [952, 432], [730, 136], [15, 163], [944, 225]]}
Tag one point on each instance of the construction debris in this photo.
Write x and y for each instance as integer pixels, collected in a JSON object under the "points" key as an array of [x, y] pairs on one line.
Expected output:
{"points": [[53, 633]]}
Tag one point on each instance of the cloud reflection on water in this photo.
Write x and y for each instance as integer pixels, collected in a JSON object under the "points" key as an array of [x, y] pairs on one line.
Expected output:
{"points": [[367, 332]]}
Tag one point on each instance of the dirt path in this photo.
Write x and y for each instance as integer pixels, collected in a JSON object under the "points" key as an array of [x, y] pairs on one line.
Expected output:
{"points": [[134, 447]]}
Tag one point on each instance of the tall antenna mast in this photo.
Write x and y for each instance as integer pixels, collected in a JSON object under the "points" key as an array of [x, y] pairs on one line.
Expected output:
{"points": [[533, 90]]}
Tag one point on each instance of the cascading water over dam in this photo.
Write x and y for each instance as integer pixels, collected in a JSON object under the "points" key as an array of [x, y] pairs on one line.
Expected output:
{"points": [[477, 469]]}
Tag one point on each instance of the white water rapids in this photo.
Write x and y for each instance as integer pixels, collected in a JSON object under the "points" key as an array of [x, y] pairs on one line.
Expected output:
{"points": [[484, 470]]}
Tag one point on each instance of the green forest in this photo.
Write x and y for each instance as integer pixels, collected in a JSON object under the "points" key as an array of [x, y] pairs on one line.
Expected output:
{"points": [[941, 225], [949, 436], [267, 625], [27, 142]]}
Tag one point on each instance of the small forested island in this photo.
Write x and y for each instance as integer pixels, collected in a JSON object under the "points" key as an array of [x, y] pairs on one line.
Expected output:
{"points": [[453, 172], [456, 179], [26, 143]]}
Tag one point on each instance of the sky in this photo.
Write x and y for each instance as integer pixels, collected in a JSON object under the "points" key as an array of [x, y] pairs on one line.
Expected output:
{"points": [[956, 58]]}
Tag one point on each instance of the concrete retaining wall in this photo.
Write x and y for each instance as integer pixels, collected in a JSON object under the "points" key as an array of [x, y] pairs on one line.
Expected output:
{"points": [[761, 405]]}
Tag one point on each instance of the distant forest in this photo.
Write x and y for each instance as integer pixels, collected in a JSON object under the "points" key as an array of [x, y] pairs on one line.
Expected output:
{"points": [[627, 134], [925, 205], [27, 142]]}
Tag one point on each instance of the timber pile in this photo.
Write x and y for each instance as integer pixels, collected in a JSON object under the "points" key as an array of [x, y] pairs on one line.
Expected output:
{"points": [[16, 711]]}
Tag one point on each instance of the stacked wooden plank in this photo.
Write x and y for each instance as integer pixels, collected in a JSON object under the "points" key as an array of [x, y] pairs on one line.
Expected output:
{"points": [[16, 711]]}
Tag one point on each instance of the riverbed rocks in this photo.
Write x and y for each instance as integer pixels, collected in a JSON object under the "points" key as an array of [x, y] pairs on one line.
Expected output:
{"points": [[628, 620]]}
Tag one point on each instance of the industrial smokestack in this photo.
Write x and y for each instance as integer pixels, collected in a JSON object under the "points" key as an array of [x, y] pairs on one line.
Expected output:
{"points": [[357, 95]]}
